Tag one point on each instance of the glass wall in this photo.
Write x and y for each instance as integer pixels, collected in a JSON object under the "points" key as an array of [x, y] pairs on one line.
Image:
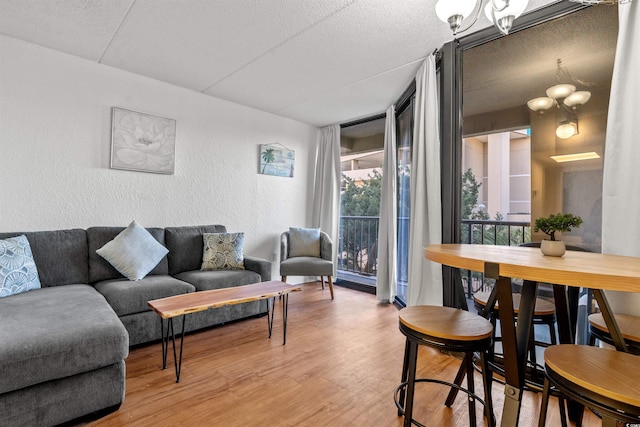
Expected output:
{"points": [[404, 128], [500, 78], [362, 153]]}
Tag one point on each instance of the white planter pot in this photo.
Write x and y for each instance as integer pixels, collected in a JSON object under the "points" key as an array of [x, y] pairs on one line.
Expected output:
{"points": [[552, 247]]}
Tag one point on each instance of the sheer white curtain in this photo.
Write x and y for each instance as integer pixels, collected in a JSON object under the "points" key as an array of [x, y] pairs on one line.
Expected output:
{"points": [[326, 194], [386, 279], [621, 174], [425, 224]]}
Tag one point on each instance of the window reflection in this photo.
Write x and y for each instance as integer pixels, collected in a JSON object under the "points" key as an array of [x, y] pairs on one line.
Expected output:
{"points": [[500, 77]]}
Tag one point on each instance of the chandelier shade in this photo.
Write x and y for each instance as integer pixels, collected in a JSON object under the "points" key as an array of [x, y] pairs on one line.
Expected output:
{"points": [[560, 91], [445, 9], [540, 104], [501, 9], [567, 129], [500, 12], [580, 97]]}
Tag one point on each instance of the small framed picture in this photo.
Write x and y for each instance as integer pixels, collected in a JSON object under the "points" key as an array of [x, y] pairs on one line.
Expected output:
{"points": [[142, 142], [276, 160]]}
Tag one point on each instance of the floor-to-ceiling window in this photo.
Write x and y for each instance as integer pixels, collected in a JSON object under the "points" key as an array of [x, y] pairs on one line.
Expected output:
{"points": [[362, 153], [500, 76], [404, 129]]}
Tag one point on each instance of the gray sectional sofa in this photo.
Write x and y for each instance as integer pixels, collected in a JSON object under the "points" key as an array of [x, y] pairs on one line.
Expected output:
{"points": [[64, 345]]}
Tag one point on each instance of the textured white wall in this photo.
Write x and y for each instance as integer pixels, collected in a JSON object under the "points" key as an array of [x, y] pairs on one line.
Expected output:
{"points": [[55, 140]]}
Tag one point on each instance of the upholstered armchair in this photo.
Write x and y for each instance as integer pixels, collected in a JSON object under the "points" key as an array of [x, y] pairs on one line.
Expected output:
{"points": [[306, 252]]}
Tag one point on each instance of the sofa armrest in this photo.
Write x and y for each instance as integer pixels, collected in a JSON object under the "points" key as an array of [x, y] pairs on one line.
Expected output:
{"points": [[284, 246], [260, 266]]}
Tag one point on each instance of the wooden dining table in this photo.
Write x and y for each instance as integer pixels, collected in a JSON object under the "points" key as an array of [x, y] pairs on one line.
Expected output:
{"points": [[598, 272]]}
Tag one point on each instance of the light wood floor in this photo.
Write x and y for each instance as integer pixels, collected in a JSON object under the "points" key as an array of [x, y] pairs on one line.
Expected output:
{"points": [[340, 367]]}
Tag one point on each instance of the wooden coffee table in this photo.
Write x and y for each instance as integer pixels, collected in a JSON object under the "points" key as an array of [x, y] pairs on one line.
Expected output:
{"points": [[181, 305]]}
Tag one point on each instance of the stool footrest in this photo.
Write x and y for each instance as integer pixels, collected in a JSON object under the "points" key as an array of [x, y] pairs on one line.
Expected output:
{"points": [[436, 381]]}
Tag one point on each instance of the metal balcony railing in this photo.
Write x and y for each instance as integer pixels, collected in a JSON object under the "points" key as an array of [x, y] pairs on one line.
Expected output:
{"points": [[488, 232], [358, 244]]}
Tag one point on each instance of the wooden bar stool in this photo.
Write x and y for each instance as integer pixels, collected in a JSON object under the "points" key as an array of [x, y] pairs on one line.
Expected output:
{"points": [[544, 314], [629, 328], [446, 329], [602, 379]]}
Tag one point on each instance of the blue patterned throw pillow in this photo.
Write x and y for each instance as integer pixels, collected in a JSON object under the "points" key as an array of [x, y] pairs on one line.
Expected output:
{"points": [[223, 251], [18, 272]]}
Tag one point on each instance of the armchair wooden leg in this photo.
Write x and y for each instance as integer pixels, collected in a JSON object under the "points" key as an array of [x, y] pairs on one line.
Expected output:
{"points": [[330, 286], [322, 281], [284, 279]]}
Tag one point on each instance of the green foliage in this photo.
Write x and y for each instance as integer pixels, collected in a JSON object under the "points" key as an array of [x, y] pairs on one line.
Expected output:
{"points": [[361, 200], [557, 222], [470, 193], [488, 234], [359, 236]]}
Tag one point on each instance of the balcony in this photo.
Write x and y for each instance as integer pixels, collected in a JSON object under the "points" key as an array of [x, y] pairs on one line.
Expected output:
{"points": [[358, 249], [488, 232], [358, 246]]}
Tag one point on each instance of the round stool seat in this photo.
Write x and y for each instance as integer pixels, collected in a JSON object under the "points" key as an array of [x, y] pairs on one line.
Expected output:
{"points": [[447, 329], [542, 308], [446, 323], [597, 377], [629, 328]]}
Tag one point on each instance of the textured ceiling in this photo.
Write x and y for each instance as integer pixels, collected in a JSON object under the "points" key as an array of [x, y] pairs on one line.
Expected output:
{"points": [[317, 61]]}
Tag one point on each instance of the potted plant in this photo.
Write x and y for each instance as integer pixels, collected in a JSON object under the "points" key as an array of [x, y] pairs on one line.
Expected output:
{"points": [[550, 225]]}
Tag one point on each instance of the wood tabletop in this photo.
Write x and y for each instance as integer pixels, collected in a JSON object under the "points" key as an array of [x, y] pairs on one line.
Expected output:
{"points": [[585, 269], [204, 300]]}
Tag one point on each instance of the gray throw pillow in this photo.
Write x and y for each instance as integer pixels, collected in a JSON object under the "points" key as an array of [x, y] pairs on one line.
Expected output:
{"points": [[304, 242], [134, 252], [18, 272], [223, 251]]}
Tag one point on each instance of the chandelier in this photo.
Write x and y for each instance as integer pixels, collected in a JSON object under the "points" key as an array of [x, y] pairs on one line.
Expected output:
{"points": [[564, 96], [501, 13]]}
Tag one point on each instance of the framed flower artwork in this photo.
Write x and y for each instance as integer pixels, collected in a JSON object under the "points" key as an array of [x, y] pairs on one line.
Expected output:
{"points": [[142, 142]]}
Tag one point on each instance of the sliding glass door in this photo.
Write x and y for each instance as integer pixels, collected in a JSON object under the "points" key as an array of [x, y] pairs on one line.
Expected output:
{"points": [[404, 128]]}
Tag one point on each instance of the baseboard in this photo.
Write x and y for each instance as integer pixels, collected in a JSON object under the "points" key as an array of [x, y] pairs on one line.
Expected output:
{"points": [[356, 286]]}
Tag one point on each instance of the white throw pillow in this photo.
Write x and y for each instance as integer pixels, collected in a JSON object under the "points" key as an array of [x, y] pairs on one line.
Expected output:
{"points": [[223, 251], [134, 252], [304, 242]]}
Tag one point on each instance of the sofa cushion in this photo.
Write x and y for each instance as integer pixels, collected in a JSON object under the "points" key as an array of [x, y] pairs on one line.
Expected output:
{"points": [[99, 268], [56, 332], [304, 242], [223, 251], [133, 252], [127, 297], [60, 256], [18, 272], [217, 279], [185, 246]]}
